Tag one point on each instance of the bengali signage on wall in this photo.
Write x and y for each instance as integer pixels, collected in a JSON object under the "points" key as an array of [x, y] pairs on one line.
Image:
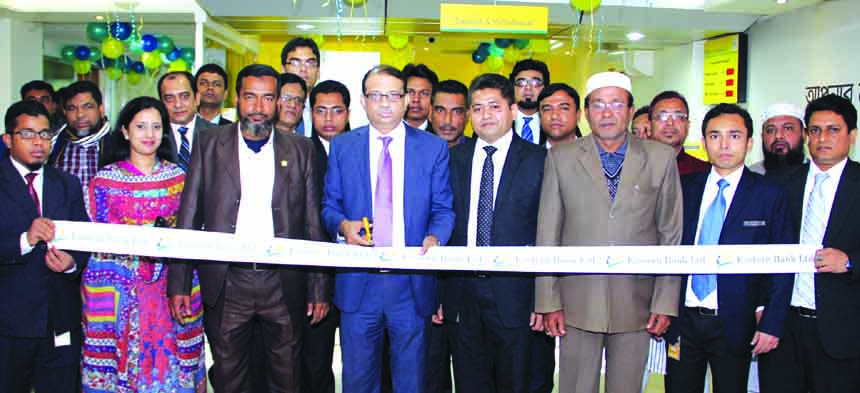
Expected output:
{"points": [[725, 70], [480, 18]]}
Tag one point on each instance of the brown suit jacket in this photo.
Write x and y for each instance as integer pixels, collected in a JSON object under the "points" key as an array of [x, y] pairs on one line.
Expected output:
{"points": [[210, 202], [575, 210]]}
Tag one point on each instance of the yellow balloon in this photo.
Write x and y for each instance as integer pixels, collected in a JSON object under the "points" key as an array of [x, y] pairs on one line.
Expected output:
{"points": [[398, 41], [585, 5], [82, 67], [112, 48], [511, 55], [113, 73], [494, 63], [151, 60], [133, 78], [354, 3], [178, 65]]}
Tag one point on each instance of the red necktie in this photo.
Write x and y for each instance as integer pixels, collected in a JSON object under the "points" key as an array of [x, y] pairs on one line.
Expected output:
{"points": [[30, 178]]}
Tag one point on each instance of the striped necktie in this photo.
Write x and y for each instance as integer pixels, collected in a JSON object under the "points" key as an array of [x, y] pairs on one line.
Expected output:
{"points": [[184, 148]]}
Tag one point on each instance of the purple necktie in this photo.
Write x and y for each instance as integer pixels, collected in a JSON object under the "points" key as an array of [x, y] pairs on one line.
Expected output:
{"points": [[383, 216], [32, 189]]}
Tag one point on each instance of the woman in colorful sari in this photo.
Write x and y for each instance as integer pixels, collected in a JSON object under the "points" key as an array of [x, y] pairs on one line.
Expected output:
{"points": [[131, 344]]}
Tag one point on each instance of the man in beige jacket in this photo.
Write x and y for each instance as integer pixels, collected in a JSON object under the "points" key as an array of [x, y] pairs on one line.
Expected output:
{"points": [[608, 189]]}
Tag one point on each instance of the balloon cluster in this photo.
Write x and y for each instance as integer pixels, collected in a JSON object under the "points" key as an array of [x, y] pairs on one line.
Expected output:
{"points": [[502, 50], [585, 5], [145, 52]]}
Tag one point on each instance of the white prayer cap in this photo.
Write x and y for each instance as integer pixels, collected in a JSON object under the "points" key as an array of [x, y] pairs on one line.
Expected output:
{"points": [[608, 79], [782, 109]]}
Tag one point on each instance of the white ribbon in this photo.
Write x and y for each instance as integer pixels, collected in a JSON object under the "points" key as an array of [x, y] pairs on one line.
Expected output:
{"points": [[211, 246]]}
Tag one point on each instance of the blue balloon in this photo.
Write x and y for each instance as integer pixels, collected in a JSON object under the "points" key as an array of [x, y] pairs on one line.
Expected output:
{"points": [[83, 52], [124, 62], [174, 55], [104, 62], [503, 42], [138, 67], [484, 47], [120, 30], [149, 43], [479, 57]]}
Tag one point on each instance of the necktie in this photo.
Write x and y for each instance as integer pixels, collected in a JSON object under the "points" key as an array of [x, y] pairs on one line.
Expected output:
{"points": [[383, 216], [612, 163], [485, 200], [300, 129], [527, 129], [32, 189], [812, 232], [184, 148], [712, 225]]}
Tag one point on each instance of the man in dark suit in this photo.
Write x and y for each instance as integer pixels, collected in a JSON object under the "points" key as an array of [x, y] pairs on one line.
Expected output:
{"points": [[248, 180], [397, 176], [178, 91], [729, 204], [211, 91], [496, 180], [40, 315], [820, 350], [330, 110]]}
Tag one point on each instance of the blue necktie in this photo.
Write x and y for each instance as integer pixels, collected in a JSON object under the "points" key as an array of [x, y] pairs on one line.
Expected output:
{"points": [[527, 129], [712, 225], [485, 201], [184, 149], [300, 130], [612, 163]]}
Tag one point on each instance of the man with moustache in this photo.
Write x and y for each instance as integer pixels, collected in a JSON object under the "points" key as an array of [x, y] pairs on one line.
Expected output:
{"points": [[781, 138], [559, 114], [43, 92], [40, 315], [605, 189], [641, 125], [178, 91], [79, 145], [397, 177], [496, 180], [301, 56], [212, 87], [421, 82], [291, 102], [248, 180], [448, 116], [670, 123], [330, 102], [529, 76]]}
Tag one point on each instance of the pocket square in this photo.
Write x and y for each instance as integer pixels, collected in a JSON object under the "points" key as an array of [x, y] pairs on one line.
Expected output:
{"points": [[755, 223]]}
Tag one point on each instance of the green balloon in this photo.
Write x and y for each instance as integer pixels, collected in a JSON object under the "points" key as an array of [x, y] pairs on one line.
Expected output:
{"points": [[188, 55], [136, 46], [165, 44], [68, 53], [95, 53], [113, 73], [97, 31]]}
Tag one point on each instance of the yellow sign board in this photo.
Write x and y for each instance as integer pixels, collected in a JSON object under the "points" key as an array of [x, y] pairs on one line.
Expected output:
{"points": [[722, 70], [479, 18]]}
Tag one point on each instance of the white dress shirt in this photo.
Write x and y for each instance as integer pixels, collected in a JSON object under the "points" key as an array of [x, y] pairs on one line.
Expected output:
{"points": [[188, 134], [708, 196], [256, 177], [423, 126], [325, 144], [534, 124], [828, 188], [307, 119], [397, 150], [502, 145]]}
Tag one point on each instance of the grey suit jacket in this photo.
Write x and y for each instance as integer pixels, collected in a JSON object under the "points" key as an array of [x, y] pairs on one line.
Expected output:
{"points": [[210, 202], [575, 210]]}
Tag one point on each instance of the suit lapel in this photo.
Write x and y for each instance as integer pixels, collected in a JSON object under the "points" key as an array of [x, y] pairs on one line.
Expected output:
{"points": [[693, 200], [796, 187], [509, 171], [363, 162], [631, 172], [590, 160], [227, 151], [17, 189], [284, 157], [52, 193], [843, 201], [742, 193], [412, 149]]}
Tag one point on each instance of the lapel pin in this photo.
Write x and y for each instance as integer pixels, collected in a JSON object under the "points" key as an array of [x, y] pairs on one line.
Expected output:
{"points": [[283, 163]]}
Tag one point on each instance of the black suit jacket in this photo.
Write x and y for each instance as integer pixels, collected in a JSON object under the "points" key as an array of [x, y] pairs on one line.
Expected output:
{"points": [[514, 224], [222, 121], [837, 296], [758, 215], [199, 125], [37, 302]]}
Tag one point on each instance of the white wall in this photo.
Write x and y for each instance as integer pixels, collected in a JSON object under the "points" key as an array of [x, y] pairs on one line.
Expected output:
{"points": [[812, 46], [20, 58]]}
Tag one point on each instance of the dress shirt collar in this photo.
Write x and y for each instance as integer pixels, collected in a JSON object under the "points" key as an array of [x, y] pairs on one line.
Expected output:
{"points": [[23, 171], [733, 178], [191, 124], [397, 134], [502, 144], [835, 171]]}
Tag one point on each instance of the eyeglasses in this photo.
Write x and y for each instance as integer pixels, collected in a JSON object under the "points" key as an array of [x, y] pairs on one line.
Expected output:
{"points": [[288, 99], [422, 93], [30, 134], [615, 106], [533, 82], [322, 111], [675, 116], [391, 96], [310, 63]]}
